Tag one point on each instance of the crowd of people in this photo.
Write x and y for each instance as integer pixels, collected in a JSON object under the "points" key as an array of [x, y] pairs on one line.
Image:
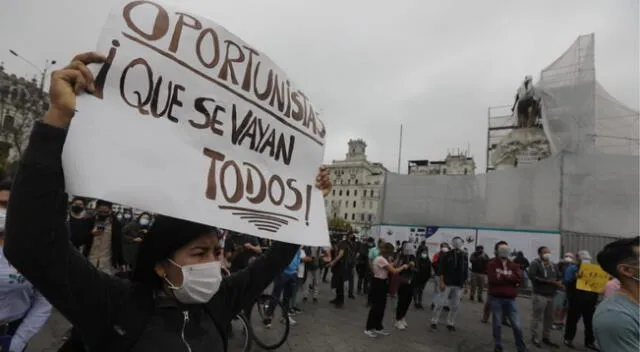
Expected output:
{"points": [[171, 294]]}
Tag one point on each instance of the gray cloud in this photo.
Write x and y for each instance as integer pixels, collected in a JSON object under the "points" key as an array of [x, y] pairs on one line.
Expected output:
{"points": [[372, 65]]}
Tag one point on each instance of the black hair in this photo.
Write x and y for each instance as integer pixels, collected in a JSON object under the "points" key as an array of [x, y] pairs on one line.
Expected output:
{"points": [[495, 248], [103, 203], [144, 213], [6, 185], [74, 199], [165, 237], [541, 248], [479, 248], [617, 252]]}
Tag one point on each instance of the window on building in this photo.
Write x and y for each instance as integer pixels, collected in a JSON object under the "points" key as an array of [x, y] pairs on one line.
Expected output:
{"points": [[353, 216], [346, 216], [333, 193], [444, 171], [355, 191], [347, 193], [340, 193], [349, 181], [371, 193], [356, 181], [369, 217], [8, 122], [335, 215], [465, 171], [354, 203]]}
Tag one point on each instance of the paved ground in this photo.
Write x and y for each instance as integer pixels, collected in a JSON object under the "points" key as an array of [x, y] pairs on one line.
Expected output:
{"points": [[322, 328]]}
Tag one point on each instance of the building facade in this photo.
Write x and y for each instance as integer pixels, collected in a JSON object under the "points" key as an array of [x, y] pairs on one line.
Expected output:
{"points": [[453, 164], [22, 103], [357, 188]]}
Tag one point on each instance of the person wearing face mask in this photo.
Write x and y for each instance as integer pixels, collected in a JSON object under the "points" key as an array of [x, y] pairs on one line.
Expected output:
{"points": [[479, 260], [133, 235], [23, 309], [560, 301], [546, 281], [582, 304], [454, 269], [422, 276], [503, 277], [176, 299], [127, 217], [444, 248], [80, 224], [616, 322]]}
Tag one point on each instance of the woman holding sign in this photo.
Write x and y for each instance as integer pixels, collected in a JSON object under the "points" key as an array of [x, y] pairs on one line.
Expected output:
{"points": [[177, 299]]}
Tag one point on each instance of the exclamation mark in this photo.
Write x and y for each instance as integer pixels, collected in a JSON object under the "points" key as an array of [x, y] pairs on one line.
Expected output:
{"points": [[308, 204], [101, 78]]}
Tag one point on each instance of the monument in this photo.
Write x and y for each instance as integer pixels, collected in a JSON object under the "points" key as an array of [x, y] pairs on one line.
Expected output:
{"points": [[527, 143]]}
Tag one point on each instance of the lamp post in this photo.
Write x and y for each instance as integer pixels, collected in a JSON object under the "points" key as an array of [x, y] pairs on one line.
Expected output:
{"points": [[43, 72]]}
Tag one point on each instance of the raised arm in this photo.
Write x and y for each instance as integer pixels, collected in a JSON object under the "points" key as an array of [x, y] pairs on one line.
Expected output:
{"points": [[32, 323], [40, 250], [244, 286]]}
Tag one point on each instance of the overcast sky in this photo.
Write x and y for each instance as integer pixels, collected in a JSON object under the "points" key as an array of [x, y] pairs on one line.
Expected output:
{"points": [[434, 66]]}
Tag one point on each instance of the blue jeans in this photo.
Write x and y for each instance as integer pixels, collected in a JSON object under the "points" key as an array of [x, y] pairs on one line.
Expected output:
{"points": [[508, 306], [284, 286]]}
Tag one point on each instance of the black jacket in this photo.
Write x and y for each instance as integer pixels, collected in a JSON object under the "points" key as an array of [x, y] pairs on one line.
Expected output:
{"points": [[112, 314], [479, 263], [454, 267]]}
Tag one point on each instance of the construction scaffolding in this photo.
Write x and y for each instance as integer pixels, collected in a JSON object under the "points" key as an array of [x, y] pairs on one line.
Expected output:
{"points": [[501, 121]]}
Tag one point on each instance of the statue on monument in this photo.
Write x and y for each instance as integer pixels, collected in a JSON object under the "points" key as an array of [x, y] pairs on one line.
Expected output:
{"points": [[526, 105]]}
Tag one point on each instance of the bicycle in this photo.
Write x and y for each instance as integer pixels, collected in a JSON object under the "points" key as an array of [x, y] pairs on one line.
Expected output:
{"points": [[263, 304]]}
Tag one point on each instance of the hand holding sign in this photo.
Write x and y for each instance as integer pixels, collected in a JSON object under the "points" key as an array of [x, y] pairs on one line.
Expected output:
{"points": [[201, 118], [66, 84]]}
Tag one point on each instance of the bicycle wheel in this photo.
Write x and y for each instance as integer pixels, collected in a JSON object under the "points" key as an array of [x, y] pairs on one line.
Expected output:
{"points": [[269, 311], [240, 337]]}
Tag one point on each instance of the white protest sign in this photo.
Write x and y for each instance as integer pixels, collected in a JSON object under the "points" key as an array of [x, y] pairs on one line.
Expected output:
{"points": [[192, 122]]}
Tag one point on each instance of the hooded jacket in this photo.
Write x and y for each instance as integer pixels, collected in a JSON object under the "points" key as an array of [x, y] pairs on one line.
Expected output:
{"points": [[453, 266], [113, 314]]}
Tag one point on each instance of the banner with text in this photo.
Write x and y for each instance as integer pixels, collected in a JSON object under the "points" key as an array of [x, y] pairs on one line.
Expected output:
{"points": [[192, 122]]}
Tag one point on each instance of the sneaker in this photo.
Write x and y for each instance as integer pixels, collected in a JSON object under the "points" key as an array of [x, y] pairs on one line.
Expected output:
{"points": [[398, 325], [536, 342], [569, 343], [550, 343], [382, 333], [297, 310], [292, 313], [404, 322], [592, 347], [451, 328], [370, 333], [434, 327], [292, 322]]}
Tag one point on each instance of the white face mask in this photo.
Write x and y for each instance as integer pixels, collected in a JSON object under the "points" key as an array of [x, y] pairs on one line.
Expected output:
{"points": [[144, 222], [445, 249], [199, 282], [568, 259]]}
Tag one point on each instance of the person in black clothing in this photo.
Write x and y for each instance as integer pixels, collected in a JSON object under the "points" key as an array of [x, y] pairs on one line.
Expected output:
{"points": [[362, 265], [176, 300], [240, 250], [339, 270], [524, 268], [133, 235], [454, 269], [80, 224], [422, 276], [405, 287], [479, 260], [351, 257]]}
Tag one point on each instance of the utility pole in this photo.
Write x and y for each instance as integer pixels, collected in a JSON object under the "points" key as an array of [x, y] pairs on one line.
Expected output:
{"points": [[400, 149], [43, 72]]}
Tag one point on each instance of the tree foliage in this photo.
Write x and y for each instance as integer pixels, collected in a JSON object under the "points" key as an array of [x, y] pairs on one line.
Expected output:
{"points": [[21, 105]]}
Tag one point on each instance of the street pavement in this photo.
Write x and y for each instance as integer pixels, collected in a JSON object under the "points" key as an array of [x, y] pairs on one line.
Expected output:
{"points": [[323, 328]]}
